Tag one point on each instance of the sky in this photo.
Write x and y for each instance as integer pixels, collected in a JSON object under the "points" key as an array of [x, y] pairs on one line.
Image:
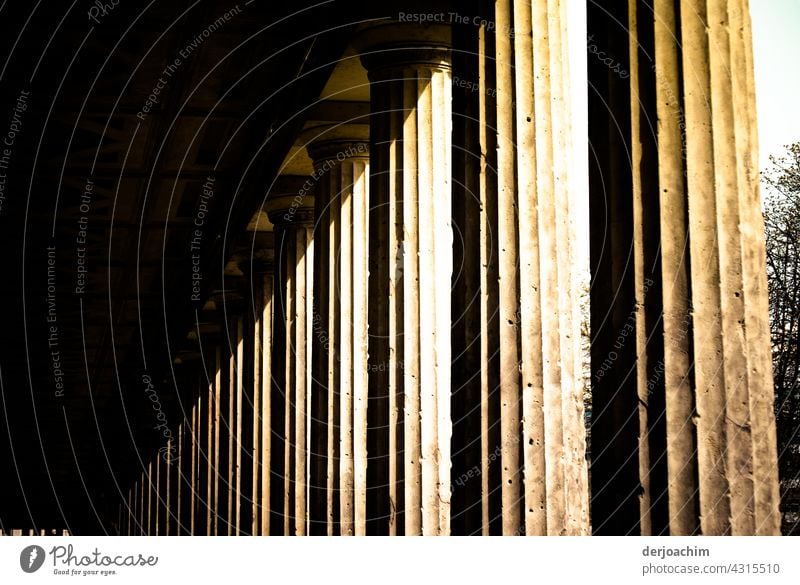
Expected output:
{"points": [[776, 47]]}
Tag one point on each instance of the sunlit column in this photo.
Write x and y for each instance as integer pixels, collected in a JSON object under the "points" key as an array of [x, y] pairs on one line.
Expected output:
{"points": [[261, 445], [678, 248], [410, 265], [167, 476], [339, 400], [293, 216], [518, 390]]}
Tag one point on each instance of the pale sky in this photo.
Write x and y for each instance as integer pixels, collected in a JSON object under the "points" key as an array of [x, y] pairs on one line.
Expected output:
{"points": [[776, 44]]}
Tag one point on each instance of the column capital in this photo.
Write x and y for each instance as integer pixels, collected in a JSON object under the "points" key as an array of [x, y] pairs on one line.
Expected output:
{"points": [[336, 143], [250, 260], [291, 201], [389, 45], [263, 266], [227, 301]]}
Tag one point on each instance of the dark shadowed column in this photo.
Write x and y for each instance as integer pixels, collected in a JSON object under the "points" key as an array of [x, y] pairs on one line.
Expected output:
{"points": [[293, 217], [410, 261], [339, 426]]}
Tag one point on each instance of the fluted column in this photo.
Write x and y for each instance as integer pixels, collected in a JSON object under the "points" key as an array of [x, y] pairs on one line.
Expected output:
{"points": [[261, 446], [169, 463], [293, 216], [339, 398], [165, 523], [242, 324], [698, 454], [133, 529], [194, 443], [142, 527], [236, 410], [174, 479], [128, 511], [228, 407], [157, 511], [549, 321], [152, 497], [208, 439], [224, 429], [410, 264], [157, 514], [204, 406], [215, 434], [185, 476], [134, 522], [520, 405]]}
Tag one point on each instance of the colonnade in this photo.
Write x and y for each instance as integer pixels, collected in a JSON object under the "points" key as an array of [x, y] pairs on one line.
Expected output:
{"points": [[683, 415], [411, 361]]}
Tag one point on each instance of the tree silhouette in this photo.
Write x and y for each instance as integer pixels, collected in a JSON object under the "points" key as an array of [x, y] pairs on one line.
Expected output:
{"points": [[781, 183]]}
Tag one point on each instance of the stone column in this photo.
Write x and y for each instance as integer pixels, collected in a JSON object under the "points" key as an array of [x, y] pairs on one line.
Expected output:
{"points": [[685, 270], [143, 502], [156, 508], [339, 401], [241, 333], [229, 414], [133, 520], [213, 429], [236, 409], [293, 217], [169, 464], [208, 439], [171, 477], [133, 528], [261, 447], [156, 513], [523, 456], [144, 488], [185, 477], [140, 506], [201, 458], [224, 457], [142, 527], [410, 265], [164, 497], [147, 501], [193, 439], [151, 499], [128, 511]]}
